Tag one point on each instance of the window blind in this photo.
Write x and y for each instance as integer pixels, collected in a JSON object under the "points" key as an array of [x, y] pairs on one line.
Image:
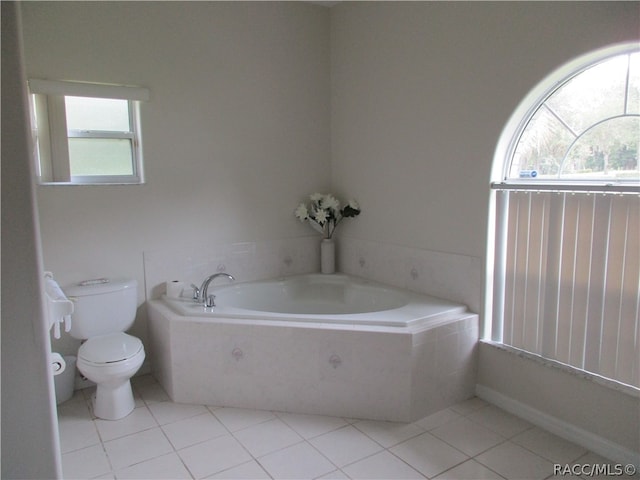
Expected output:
{"points": [[567, 280]]}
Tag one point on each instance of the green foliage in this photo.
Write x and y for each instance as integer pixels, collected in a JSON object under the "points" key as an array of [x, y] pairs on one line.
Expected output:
{"points": [[584, 127]]}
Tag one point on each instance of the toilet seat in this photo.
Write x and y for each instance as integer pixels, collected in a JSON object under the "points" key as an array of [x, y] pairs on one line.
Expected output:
{"points": [[109, 349]]}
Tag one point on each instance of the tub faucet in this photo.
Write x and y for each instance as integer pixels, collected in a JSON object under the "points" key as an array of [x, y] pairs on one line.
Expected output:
{"points": [[202, 297]]}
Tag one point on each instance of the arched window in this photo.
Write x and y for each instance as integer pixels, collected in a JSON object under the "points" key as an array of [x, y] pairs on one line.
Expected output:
{"points": [[563, 273], [587, 129]]}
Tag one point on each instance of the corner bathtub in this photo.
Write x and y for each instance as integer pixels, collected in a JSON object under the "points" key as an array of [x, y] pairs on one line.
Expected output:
{"points": [[316, 344], [317, 298]]}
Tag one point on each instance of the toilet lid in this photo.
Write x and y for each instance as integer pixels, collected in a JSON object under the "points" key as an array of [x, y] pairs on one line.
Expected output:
{"points": [[114, 347]]}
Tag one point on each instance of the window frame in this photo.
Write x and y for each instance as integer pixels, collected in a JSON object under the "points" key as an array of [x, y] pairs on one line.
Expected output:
{"points": [[526, 110], [51, 135]]}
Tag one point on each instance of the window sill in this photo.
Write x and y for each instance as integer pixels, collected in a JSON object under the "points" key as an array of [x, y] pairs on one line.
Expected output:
{"points": [[84, 184], [567, 186], [547, 362]]}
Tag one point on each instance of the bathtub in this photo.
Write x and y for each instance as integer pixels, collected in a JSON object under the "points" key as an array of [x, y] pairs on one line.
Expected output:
{"points": [[318, 298], [316, 344]]}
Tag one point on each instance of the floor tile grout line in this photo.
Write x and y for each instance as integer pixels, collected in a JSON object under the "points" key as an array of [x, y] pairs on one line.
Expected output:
{"points": [[264, 468], [507, 440], [115, 471], [322, 454], [397, 443], [180, 419], [253, 457], [157, 425], [303, 440], [278, 414], [461, 411], [377, 453], [475, 457], [355, 461], [573, 460], [244, 463], [230, 433], [127, 434], [89, 404], [506, 414], [245, 427], [478, 462], [104, 449], [175, 450], [503, 440], [468, 457], [383, 447]]}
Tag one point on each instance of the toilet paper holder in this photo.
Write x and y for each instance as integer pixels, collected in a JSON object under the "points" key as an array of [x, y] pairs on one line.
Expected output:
{"points": [[58, 365]]}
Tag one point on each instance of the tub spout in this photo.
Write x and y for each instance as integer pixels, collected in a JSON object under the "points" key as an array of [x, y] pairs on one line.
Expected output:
{"points": [[203, 297]]}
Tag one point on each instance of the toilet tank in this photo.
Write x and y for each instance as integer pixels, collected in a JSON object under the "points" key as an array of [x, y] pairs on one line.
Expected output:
{"points": [[102, 306]]}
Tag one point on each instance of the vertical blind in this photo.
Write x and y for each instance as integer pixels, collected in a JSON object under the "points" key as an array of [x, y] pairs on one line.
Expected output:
{"points": [[567, 278]]}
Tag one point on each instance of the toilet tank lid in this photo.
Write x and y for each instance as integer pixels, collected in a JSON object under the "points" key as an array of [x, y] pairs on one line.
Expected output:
{"points": [[99, 286]]}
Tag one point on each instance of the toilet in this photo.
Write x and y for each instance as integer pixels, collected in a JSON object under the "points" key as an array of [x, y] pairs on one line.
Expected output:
{"points": [[103, 310]]}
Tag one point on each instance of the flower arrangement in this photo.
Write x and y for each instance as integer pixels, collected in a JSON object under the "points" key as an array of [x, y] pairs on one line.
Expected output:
{"points": [[324, 212]]}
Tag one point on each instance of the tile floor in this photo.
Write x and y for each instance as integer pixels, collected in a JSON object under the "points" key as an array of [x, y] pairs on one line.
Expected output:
{"points": [[165, 440]]}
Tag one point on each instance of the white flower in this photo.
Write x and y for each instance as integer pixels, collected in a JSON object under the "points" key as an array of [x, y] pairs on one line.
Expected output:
{"points": [[329, 201], [320, 216], [301, 212], [324, 212]]}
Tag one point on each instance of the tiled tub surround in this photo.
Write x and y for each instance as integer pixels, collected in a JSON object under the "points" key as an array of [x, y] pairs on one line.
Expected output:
{"points": [[375, 372], [246, 261], [445, 275]]}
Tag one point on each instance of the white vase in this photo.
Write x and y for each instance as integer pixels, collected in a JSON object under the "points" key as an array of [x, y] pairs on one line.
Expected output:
{"points": [[327, 256]]}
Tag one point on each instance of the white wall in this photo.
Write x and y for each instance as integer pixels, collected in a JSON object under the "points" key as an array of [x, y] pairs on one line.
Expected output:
{"points": [[420, 93], [30, 447], [235, 135]]}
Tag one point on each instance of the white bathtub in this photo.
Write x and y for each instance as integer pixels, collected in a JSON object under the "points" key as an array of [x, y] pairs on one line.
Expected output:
{"points": [[323, 344], [317, 298]]}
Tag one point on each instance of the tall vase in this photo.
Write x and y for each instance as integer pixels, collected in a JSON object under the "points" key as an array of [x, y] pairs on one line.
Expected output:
{"points": [[327, 256]]}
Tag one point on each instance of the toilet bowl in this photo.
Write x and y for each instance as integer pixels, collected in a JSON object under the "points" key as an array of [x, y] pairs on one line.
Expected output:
{"points": [[110, 361]]}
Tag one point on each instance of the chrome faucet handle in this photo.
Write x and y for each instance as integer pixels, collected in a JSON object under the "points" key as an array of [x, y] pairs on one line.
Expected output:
{"points": [[196, 292], [203, 298], [211, 301]]}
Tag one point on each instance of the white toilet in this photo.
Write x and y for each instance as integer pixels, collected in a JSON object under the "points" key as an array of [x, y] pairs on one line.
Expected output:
{"points": [[103, 310]]}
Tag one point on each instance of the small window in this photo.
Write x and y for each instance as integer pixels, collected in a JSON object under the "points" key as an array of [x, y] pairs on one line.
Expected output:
{"points": [[87, 133]]}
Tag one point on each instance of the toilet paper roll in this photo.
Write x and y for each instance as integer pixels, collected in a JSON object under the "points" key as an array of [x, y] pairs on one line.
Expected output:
{"points": [[174, 288], [58, 365]]}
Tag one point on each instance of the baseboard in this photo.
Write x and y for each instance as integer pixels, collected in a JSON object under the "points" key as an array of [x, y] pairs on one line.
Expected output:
{"points": [[568, 431]]}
